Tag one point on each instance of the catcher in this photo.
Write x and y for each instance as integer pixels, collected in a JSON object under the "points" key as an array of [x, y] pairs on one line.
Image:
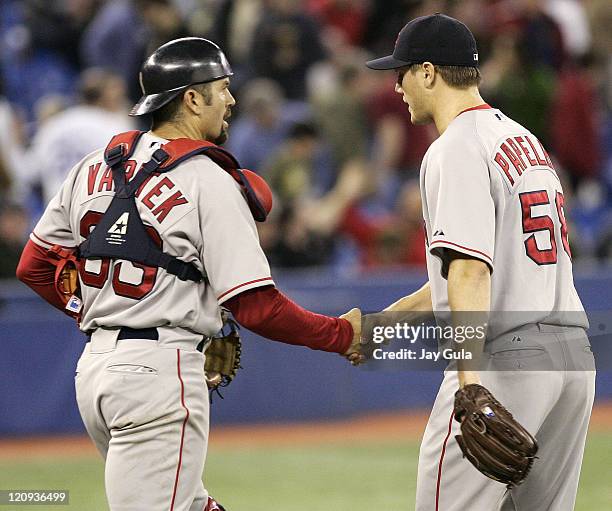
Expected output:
{"points": [[161, 228]]}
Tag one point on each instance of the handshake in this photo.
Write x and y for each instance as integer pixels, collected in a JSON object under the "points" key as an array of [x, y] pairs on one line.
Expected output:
{"points": [[356, 352], [364, 328]]}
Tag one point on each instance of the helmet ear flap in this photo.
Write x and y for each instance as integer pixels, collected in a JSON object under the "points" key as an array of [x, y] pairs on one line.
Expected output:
{"points": [[256, 192]]}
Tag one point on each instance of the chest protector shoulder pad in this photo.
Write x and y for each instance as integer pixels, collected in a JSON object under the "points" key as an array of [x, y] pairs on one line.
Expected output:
{"points": [[121, 234]]}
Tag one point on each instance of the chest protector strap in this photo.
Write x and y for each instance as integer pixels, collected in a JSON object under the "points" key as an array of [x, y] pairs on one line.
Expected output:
{"points": [[120, 233]]}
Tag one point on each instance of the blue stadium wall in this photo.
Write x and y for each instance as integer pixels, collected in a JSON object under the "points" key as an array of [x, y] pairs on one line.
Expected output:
{"points": [[39, 348]]}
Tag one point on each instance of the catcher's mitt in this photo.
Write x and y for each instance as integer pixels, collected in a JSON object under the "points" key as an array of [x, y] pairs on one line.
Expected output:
{"points": [[67, 279], [491, 439], [223, 356]]}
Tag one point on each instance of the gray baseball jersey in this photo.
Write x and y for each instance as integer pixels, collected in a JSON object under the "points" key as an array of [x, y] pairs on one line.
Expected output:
{"points": [[490, 190], [196, 212]]}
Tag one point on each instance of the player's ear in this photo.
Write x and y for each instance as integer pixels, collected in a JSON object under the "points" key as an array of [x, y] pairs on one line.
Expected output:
{"points": [[193, 101], [429, 74]]}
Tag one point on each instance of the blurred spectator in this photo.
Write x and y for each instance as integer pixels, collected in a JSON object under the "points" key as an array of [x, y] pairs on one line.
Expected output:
{"points": [[30, 67], [600, 17], [49, 106], [235, 28], [290, 171], [58, 26], [14, 230], [296, 246], [599, 13], [575, 130], [385, 20], [410, 225], [162, 20], [572, 19], [200, 16], [541, 36], [529, 22], [324, 77], [399, 146], [341, 115], [515, 84], [394, 239], [308, 219], [116, 39], [265, 120], [287, 44], [77, 131], [307, 227], [346, 16], [124, 31], [11, 152]]}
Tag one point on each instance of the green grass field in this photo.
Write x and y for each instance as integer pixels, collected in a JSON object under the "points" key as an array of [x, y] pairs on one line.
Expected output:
{"points": [[306, 478]]}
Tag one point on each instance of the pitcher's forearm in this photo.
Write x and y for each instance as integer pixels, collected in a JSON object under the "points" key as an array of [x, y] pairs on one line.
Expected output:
{"points": [[419, 301], [469, 298]]}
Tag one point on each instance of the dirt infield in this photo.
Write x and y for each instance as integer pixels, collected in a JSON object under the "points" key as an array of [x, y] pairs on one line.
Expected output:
{"points": [[381, 426]]}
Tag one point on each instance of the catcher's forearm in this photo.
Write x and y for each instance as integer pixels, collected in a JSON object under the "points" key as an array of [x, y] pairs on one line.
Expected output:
{"points": [[269, 313], [469, 298], [37, 271], [419, 301]]}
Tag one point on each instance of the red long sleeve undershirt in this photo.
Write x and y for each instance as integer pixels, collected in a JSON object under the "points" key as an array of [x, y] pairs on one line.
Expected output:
{"points": [[269, 313], [37, 271], [263, 310]]}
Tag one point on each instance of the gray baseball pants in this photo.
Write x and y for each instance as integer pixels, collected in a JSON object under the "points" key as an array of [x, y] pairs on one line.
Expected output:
{"points": [[545, 376], [146, 409]]}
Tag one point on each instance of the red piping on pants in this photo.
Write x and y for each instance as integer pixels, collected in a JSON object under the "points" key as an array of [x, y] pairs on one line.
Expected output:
{"points": [[450, 424], [180, 460]]}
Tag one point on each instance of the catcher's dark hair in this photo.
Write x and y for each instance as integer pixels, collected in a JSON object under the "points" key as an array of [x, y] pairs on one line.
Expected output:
{"points": [[459, 77], [172, 111]]}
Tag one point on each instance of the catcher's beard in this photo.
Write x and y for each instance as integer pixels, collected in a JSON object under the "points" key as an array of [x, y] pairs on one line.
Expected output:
{"points": [[222, 138], [223, 135]]}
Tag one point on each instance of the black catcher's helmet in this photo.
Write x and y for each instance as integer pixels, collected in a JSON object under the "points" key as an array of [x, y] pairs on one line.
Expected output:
{"points": [[175, 66]]}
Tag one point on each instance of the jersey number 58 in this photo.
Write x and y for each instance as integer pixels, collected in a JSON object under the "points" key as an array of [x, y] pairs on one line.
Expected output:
{"points": [[533, 224]]}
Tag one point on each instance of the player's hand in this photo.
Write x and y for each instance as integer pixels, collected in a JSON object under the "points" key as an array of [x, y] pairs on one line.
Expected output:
{"points": [[353, 354]]}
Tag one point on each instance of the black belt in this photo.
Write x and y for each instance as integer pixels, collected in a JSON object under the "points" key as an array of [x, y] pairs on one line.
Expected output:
{"points": [[146, 333], [138, 333]]}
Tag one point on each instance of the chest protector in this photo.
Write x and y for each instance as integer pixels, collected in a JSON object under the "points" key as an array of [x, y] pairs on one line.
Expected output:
{"points": [[121, 234]]}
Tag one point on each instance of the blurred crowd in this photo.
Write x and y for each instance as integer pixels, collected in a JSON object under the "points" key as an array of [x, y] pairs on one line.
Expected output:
{"points": [[331, 137]]}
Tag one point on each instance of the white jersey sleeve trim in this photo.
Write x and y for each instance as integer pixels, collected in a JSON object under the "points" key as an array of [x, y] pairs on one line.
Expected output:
{"points": [[460, 248], [252, 284]]}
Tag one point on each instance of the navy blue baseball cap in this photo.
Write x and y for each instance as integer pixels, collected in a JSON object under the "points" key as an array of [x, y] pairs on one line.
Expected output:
{"points": [[437, 38]]}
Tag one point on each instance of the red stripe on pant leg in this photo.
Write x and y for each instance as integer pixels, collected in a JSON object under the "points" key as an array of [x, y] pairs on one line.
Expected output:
{"points": [[450, 424], [180, 459]]}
